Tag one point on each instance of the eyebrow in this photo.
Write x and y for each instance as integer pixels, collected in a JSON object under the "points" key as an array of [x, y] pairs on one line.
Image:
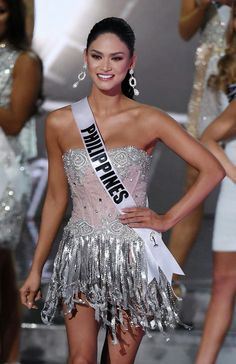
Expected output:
{"points": [[112, 54]]}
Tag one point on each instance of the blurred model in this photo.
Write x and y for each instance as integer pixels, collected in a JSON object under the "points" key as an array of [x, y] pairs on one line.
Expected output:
{"points": [[20, 85], [223, 129], [211, 20]]}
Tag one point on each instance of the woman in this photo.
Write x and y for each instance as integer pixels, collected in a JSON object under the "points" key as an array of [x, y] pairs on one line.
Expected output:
{"points": [[20, 83], [101, 273], [205, 105], [223, 129]]}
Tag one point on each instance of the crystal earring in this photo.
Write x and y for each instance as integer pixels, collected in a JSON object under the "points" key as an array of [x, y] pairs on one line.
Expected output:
{"points": [[81, 76], [133, 82]]}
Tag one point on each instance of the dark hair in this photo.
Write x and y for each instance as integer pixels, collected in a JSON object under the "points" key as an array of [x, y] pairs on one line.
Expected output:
{"points": [[16, 29], [123, 30]]}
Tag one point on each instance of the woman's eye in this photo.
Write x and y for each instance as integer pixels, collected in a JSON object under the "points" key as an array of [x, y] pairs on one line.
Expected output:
{"points": [[96, 56], [117, 58]]}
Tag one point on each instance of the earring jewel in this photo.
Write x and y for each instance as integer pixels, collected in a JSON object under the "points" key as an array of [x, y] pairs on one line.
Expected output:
{"points": [[81, 76], [133, 82]]}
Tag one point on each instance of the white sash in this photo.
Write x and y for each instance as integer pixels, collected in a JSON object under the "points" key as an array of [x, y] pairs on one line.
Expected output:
{"points": [[157, 254]]}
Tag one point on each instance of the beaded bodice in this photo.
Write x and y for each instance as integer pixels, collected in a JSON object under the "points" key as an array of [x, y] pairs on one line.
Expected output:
{"points": [[91, 204], [8, 57]]}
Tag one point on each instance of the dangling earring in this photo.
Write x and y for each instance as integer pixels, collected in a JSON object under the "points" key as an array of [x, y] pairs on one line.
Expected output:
{"points": [[81, 76], [133, 82]]}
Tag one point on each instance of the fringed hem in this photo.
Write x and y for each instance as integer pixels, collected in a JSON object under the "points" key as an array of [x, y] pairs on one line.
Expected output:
{"points": [[112, 274]]}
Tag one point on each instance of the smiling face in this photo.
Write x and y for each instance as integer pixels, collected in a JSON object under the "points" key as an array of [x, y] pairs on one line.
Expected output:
{"points": [[108, 60], [4, 15]]}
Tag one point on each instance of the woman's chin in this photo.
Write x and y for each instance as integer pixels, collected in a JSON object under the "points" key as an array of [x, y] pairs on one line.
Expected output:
{"points": [[109, 90]]}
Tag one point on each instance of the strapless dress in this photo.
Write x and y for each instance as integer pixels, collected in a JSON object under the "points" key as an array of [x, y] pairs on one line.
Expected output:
{"points": [[104, 259]]}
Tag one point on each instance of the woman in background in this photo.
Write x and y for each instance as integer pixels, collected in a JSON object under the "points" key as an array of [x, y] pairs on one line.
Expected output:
{"points": [[223, 129], [205, 104], [20, 86]]}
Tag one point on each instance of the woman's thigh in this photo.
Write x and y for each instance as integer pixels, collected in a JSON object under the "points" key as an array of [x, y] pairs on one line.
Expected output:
{"points": [[224, 270], [224, 262], [82, 330], [129, 338]]}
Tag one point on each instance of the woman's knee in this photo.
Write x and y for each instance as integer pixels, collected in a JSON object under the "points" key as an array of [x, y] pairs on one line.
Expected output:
{"points": [[224, 283]]}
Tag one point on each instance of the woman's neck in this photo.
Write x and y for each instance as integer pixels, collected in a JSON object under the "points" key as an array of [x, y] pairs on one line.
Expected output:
{"points": [[103, 103]]}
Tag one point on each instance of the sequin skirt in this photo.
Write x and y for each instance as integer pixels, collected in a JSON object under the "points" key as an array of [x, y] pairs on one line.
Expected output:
{"points": [[15, 190], [111, 272], [13, 208], [12, 215]]}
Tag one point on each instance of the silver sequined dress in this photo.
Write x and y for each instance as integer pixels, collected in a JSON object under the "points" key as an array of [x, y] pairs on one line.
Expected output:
{"points": [[101, 257], [205, 105], [15, 151]]}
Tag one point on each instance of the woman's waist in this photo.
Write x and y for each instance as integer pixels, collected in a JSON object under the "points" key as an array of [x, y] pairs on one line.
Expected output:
{"points": [[98, 211], [105, 226], [93, 211], [92, 205]]}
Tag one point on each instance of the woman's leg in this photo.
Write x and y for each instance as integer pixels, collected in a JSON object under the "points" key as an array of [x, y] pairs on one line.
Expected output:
{"points": [[220, 309], [82, 330], [126, 349], [184, 234], [9, 309]]}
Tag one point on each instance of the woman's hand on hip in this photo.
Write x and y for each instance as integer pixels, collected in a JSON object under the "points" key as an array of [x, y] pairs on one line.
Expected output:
{"points": [[143, 217]]}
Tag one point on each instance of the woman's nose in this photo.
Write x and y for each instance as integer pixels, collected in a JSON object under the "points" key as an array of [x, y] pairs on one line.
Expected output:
{"points": [[106, 65]]}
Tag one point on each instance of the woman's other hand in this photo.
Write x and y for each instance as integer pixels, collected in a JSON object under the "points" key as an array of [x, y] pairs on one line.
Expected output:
{"points": [[30, 291]]}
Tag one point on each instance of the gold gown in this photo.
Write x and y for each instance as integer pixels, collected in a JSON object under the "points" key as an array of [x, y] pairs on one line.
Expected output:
{"points": [[205, 104]]}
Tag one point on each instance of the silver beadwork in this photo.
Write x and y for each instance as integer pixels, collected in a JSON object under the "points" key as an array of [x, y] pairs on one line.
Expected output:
{"points": [[81, 76], [133, 82], [103, 258]]}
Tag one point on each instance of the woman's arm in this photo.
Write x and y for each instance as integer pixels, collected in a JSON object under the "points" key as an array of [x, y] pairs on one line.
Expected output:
{"points": [[191, 17], [221, 129], [27, 78], [210, 174], [53, 212]]}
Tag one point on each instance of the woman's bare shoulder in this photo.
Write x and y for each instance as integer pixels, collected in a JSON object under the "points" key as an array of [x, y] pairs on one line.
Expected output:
{"points": [[60, 118], [151, 113], [28, 60]]}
